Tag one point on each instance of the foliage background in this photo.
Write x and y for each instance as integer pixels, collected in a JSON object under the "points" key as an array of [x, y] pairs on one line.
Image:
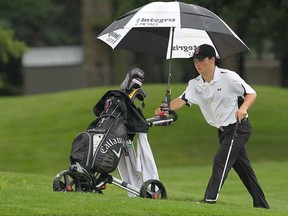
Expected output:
{"points": [[262, 25]]}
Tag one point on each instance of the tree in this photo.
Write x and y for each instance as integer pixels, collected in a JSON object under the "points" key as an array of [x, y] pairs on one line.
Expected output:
{"points": [[102, 65], [9, 46], [43, 23], [37, 23], [272, 25], [96, 14], [10, 52]]}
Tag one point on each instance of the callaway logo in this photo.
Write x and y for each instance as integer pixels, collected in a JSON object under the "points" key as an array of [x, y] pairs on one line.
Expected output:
{"points": [[109, 143], [152, 21]]}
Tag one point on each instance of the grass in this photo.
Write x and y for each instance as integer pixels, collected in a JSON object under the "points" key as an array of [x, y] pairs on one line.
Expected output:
{"points": [[31, 194], [35, 140]]}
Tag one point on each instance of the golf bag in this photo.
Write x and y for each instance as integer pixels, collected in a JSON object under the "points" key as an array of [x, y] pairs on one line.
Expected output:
{"points": [[96, 152], [99, 148]]}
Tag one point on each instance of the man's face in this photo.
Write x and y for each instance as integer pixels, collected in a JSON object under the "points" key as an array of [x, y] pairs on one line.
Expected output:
{"points": [[204, 66]]}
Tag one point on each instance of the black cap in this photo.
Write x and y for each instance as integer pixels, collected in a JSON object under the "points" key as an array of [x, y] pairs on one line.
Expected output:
{"points": [[204, 51]]}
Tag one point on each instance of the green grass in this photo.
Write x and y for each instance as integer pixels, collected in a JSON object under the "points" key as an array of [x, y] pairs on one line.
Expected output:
{"points": [[35, 140], [30, 194]]}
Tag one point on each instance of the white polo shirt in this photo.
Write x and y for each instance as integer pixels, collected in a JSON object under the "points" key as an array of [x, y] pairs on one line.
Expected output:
{"points": [[218, 100]]}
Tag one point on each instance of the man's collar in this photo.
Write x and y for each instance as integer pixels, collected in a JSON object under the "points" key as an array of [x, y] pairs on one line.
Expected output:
{"points": [[215, 76]]}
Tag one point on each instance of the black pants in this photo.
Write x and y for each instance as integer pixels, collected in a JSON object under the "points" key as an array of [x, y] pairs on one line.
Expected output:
{"points": [[238, 160]]}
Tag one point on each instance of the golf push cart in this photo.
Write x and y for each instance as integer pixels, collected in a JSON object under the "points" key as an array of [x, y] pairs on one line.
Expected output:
{"points": [[96, 152]]}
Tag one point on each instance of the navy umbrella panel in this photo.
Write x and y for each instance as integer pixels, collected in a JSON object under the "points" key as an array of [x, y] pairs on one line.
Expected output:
{"points": [[152, 28], [147, 42]]}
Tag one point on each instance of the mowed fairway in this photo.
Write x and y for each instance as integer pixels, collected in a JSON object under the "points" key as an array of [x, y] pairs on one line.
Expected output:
{"points": [[35, 140]]}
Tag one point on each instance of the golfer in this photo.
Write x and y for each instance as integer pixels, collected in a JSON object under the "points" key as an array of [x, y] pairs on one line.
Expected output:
{"points": [[224, 98]]}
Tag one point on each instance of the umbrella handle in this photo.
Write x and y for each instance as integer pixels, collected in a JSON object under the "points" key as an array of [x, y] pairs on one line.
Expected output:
{"points": [[165, 106]]}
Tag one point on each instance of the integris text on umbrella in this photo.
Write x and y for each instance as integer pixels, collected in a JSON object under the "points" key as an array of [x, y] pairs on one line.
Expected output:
{"points": [[190, 49], [153, 21]]}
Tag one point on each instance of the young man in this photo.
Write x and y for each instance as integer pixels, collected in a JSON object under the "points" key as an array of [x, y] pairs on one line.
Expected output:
{"points": [[224, 98]]}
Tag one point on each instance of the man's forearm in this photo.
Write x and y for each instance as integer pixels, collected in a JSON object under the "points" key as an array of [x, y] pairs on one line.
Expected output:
{"points": [[177, 103]]}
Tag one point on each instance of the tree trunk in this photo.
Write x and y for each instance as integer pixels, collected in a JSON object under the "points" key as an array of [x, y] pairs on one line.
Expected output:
{"points": [[97, 66], [284, 72], [152, 66], [241, 66]]}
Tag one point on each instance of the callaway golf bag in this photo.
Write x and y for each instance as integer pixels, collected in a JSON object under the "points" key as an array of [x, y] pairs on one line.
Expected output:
{"points": [[96, 152]]}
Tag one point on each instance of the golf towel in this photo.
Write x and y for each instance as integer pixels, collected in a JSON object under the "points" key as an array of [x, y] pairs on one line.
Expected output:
{"points": [[136, 169]]}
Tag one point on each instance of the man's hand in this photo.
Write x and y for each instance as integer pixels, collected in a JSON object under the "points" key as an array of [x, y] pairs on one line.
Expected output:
{"points": [[159, 112], [242, 111], [241, 114], [176, 104]]}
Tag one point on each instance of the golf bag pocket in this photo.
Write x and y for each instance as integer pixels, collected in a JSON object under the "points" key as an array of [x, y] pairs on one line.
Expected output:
{"points": [[82, 149]]}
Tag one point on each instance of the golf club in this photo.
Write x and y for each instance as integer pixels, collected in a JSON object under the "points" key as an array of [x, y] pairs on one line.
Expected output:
{"points": [[226, 163]]}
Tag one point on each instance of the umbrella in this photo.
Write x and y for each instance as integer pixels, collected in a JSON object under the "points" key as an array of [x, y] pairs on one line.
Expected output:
{"points": [[171, 30]]}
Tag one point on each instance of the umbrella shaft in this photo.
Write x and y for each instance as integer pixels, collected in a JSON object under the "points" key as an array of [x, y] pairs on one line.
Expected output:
{"points": [[170, 63]]}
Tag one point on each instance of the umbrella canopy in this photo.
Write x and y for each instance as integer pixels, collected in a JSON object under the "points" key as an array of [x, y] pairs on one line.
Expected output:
{"points": [[172, 30]]}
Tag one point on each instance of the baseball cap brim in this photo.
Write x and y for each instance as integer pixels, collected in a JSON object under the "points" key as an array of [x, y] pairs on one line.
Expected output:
{"points": [[197, 57]]}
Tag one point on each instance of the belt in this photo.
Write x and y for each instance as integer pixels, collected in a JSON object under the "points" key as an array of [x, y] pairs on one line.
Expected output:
{"points": [[223, 128]]}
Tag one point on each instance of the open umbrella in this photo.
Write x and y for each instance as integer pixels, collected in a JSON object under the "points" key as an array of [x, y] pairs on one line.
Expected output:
{"points": [[171, 30]]}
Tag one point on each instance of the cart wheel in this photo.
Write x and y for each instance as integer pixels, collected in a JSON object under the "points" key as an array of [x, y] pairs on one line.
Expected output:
{"points": [[153, 189], [67, 181]]}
